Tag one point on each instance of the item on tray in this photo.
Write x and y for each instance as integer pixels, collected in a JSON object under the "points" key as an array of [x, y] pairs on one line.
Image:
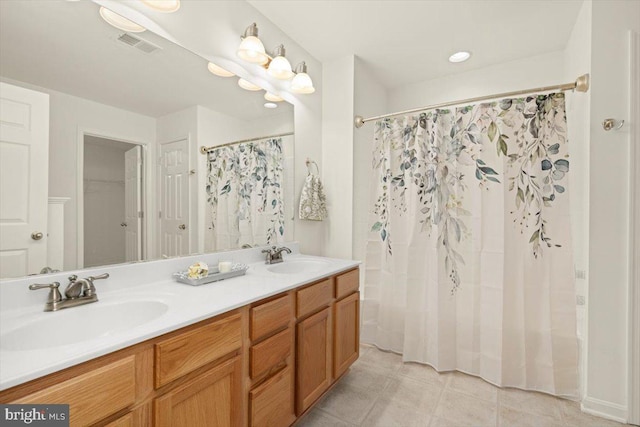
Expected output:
{"points": [[198, 270]]}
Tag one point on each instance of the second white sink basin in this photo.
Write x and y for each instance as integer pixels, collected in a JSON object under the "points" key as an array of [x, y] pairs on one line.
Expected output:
{"points": [[298, 266], [77, 324]]}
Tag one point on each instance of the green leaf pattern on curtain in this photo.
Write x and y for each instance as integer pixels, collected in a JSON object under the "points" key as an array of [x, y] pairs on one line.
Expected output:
{"points": [[424, 154], [254, 172]]}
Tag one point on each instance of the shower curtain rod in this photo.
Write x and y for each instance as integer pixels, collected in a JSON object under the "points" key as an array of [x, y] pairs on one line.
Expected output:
{"points": [[581, 85], [205, 150]]}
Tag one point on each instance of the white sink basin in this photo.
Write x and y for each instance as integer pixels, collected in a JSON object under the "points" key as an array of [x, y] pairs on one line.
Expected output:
{"points": [[298, 266], [83, 323]]}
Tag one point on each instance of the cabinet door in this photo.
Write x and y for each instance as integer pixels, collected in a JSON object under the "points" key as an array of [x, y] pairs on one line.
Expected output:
{"points": [[313, 359], [213, 399], [346, 344], [272, 401]]}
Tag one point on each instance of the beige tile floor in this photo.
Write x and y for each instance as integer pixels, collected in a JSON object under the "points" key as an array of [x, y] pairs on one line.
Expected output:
{"points": [[382, 391]]}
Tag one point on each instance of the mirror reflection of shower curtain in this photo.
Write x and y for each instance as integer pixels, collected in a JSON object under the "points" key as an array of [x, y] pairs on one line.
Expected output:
{"points": [[245, 195], [469, 262]]}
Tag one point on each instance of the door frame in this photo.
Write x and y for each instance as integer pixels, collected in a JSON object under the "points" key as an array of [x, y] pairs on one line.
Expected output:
{"points": [[190, 197], [146, 190], [634, 231]]}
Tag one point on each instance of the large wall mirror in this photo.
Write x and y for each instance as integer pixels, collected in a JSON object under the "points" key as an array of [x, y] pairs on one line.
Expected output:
{"points": [[101, 159]]}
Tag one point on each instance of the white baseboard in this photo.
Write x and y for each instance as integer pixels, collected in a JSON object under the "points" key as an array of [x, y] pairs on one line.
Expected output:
{"points": [[604, 409]]}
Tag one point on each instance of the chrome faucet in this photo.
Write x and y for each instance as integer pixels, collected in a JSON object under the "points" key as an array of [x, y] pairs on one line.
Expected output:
{"points": [[274, 255], [77, 292]]}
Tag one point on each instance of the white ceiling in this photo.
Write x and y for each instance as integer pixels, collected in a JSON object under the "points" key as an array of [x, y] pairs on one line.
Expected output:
{"points": [[67, 47], [410, 41]]}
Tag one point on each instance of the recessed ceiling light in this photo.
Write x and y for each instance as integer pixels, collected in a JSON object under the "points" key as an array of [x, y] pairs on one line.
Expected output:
{"points": [[246, 85], [270, 105], [271, 97], [218, 70], [166, 6], [459, 56], [120, 22]]}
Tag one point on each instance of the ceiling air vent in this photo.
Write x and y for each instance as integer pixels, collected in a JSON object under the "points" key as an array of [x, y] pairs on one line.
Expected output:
{"points": [[138, 43]]}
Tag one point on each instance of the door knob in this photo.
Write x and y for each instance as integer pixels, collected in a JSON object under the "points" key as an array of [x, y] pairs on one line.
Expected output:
{"points": [[182, 227], [36, 235], [123, 224]]}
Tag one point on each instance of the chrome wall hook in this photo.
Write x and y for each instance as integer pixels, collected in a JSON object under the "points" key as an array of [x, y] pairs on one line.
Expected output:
{"points": [[612, 124]]}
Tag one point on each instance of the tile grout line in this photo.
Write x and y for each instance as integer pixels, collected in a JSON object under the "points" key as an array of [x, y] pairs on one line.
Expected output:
{"points": [[435, 409]]}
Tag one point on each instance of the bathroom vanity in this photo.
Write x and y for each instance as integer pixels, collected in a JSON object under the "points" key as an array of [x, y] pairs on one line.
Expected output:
{"points": [[268, 346]]}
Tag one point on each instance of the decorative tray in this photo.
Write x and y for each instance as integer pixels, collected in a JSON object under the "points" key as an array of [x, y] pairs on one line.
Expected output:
{"points": [[213, 276]]}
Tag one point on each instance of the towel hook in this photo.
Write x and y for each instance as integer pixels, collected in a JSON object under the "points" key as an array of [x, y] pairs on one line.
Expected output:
{"points": [[310, 162]]}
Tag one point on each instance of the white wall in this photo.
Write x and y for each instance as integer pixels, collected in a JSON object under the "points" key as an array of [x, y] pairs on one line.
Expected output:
{"points": [[370, 100], [337, 154], [577, 61], [525, 73], [104, 205], [607, 379]]}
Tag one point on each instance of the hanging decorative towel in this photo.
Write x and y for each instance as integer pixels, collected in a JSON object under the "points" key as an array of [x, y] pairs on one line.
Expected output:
{"points": [[313, 202]]}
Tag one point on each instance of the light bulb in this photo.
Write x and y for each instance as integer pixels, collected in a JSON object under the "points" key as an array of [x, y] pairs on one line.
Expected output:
{"points": [[246, 85], [279, 67], [119, 21], [271, 97], [219, 71], [302, 83], [166, 6]]}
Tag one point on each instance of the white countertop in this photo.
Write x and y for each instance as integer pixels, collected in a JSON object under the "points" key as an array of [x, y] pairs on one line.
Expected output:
{"points": [[186, 305]]}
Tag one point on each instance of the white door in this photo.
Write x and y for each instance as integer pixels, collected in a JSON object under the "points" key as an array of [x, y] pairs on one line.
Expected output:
{"points": [[133, 203], [174, 198], [24, 169]]}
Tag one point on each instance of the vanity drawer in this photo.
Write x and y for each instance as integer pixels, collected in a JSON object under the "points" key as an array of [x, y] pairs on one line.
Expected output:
{"points": [[270, 317], [314, 297], [272, 402], [94, 395], [270, 352], [347, 283], [186, 352]]}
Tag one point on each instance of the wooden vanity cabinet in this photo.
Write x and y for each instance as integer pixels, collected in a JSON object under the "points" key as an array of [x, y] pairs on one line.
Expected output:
{"points": [[272, 363], [261, 365]]}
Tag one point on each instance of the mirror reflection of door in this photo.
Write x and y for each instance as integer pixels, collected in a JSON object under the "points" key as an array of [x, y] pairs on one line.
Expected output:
{"points": [[24, 156], [174, 194], [113, 213]]}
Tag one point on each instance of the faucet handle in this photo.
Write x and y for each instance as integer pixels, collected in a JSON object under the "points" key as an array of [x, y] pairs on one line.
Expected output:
{"points": [[102, 276], [73, 278], [35, 286], [54, 293]]}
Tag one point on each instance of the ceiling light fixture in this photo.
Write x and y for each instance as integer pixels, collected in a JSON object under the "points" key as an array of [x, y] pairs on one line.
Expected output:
{"points": [[459, 57], [251, 48], [219, 71], [273, 98], [302, 83], [280, 67], [270, 105], [166, 6], [247, 85], [120, 22]]}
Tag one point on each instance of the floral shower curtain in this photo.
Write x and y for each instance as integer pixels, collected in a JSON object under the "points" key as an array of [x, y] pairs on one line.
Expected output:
{"points": [[244, 193], [469, 262]]}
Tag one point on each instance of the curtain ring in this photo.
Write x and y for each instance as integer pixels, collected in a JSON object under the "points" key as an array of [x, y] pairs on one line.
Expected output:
{"points": [[612, 124]]}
